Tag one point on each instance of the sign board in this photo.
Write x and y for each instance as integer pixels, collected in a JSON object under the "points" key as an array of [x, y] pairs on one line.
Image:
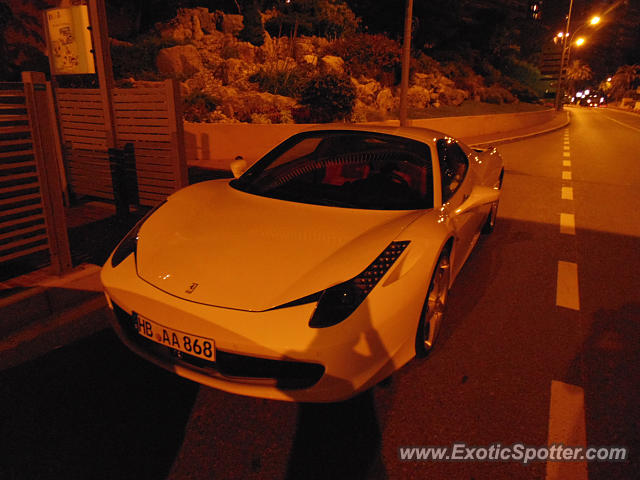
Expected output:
{"points": [[70, 46]]}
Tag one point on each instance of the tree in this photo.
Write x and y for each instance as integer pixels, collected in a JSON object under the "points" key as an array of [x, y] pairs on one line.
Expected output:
{"points": [[253, 30], [326, 18], [623, 80], [578, 72]]}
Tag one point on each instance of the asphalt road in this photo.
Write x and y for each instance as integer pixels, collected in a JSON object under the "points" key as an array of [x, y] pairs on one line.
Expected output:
{"points": [[550, 302]]}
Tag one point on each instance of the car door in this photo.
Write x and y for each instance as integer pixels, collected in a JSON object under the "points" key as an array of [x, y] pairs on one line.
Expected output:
{"points": [[456, 187]]}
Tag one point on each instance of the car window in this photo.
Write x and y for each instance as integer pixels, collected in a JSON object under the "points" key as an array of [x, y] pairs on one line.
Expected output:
{"points": [[351, 169], [453, 167]]}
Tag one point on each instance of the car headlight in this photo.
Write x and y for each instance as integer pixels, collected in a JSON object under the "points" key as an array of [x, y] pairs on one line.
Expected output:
{"points": [[129, 243], [338, 302]]}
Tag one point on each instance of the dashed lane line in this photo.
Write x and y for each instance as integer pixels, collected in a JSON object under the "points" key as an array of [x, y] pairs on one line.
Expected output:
{"points": [[567, 193], [568, 223], [566, 426], [567, 291]]}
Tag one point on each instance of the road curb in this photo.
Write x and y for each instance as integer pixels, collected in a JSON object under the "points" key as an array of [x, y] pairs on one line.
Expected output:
{"points": [[523, 136], [38, 319]]}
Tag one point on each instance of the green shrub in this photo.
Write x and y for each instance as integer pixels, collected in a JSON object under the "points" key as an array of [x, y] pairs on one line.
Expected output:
{"points": [[375, 56], [496, 94], [285, 82], [198, 106], [139, 59], [328, 98]]}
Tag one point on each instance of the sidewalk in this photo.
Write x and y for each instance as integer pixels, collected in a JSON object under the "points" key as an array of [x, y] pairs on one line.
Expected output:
{"points": [[40, 312]]}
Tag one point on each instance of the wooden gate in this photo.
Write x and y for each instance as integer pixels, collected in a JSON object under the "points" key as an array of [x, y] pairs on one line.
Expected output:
{"points": [[31, 207], [148, 119]]}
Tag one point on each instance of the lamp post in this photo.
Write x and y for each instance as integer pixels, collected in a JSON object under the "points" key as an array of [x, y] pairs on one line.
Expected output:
{"points": [[406, 57], [566, 51], [558, 102]]}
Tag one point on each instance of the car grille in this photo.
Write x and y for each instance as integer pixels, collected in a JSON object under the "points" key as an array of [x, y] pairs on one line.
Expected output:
{"points": [[286, 374]]}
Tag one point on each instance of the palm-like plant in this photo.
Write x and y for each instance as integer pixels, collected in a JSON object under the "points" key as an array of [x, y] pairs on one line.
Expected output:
{"points": [[623, 79], [577, 72]]}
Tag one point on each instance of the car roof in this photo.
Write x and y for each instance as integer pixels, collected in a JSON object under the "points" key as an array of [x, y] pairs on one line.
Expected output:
{"points": [[424, 135]]}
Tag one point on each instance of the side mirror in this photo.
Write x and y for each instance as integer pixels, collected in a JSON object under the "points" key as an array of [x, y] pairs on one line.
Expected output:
{"points": [[238, 166], [479, 196]]}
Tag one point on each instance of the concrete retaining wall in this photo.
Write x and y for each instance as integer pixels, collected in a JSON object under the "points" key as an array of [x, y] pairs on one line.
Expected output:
{"points": [[215, 145]]}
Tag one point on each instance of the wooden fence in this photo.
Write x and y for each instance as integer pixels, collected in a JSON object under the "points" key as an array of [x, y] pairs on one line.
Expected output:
{"points": [[31, 208], [149, 119]]}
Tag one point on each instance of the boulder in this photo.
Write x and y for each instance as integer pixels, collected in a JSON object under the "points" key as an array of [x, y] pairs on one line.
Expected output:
{"points": [[367, 90], [246, 52], [332, 64], [310, 59], [303, 46], [207, 20], [232, 24], [418, 97], [385, 100], [181, 60], [187, 25], [235, 70]]}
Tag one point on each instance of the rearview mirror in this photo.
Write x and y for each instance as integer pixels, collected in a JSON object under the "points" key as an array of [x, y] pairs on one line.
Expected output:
{"points": [[479, 196], [238, 166]]}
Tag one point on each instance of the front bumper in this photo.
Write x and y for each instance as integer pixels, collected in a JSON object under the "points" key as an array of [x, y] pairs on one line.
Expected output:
{"points": [[272, 354]]}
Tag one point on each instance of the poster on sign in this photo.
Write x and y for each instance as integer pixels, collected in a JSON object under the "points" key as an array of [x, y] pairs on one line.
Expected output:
{"points": [[70, 46]]}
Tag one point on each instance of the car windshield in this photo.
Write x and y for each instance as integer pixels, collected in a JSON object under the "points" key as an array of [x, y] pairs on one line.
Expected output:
{"points": [[349, 169]]}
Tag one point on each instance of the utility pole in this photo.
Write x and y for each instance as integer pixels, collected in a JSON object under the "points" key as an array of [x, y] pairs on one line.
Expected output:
{"points": [[406, 60], [559, 87]]}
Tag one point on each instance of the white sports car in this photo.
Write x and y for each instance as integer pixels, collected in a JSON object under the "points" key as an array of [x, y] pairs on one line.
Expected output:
{"points": [[313, 275]]}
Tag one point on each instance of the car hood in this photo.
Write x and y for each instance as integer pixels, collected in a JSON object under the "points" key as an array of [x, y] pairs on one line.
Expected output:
{"points": [[215, 245]]}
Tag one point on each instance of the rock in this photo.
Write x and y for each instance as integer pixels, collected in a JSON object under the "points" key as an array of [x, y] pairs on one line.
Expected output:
{"points": [[181, 60], [418, 97], [232, 24], [310, 59], [207, 20], [303, 46], [367, 90], [196, 28], [235, 70], [385, 100], [332, 64], [246, 52]]}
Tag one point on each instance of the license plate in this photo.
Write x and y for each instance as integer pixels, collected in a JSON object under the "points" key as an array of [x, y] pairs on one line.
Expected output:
{"points": [[200, 347]]}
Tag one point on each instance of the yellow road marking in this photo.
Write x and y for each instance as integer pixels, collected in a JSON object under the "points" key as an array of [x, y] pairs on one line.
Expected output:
{"points": [[567, 291], [568, 223], [567, 193]]}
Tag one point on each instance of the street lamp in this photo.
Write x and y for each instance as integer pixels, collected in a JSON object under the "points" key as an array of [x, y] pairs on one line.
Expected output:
{"points": [[406, 59], [566, 50]]}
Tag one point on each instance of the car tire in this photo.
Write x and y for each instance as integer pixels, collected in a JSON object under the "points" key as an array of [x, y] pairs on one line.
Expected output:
{"points": [[434, 307]]}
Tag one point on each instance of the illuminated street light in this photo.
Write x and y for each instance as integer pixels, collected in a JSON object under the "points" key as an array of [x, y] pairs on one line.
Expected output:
{"points": [[567, 41]]}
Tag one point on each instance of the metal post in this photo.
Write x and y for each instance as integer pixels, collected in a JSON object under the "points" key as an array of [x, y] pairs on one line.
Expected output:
{"points": [[100, 37], [559, 87], [406, 60]]}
